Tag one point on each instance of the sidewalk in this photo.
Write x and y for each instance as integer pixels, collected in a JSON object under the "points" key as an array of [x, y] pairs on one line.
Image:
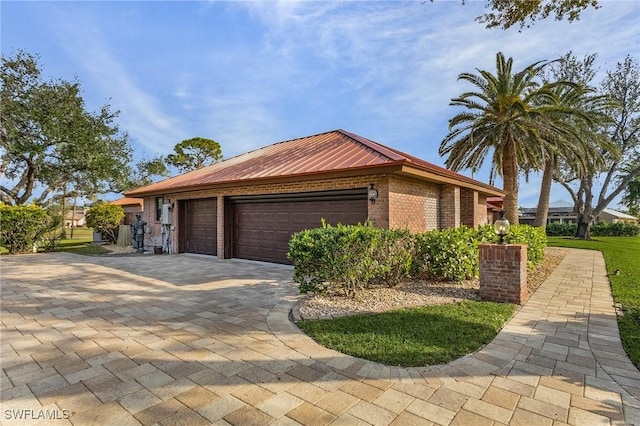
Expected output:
{"points": [[190, 340]]}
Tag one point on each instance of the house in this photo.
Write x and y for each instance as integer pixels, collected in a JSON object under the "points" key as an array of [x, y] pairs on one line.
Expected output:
{"points": [[75, 219], [564, 214], [131, 207], [494, 208], [567, 215], [614, 216], [248, 206]]}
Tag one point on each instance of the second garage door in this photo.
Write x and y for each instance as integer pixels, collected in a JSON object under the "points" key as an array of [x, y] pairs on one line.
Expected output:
{"points": [[262, 227], [200, 232]]}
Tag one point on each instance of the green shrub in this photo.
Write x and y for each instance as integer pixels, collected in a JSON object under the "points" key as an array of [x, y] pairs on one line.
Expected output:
{"points": [[606, 229], [348, 257], [393, 255], [23, 227], [105, 218], [598, 229], [450, 254], [561, 229], [534, 237]]}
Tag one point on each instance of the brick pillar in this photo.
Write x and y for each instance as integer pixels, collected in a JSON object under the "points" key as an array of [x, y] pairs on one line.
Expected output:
{"points": [[503, 272], [449, 206], [220, 227]]}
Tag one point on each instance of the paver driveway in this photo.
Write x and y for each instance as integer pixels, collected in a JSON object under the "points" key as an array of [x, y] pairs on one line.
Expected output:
{"points": [[190, 340]]}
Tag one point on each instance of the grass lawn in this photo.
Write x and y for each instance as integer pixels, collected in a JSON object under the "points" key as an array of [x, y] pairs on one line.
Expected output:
{"points": [[79, 246], [620, 253], [413, 337]]}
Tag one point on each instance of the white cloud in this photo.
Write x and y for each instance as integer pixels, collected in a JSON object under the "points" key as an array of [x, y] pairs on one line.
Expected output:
{"points": [[141, 112]]}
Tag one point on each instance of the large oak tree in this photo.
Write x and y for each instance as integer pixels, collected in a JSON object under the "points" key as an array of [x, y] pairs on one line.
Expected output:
{"points": [[50, 144]]}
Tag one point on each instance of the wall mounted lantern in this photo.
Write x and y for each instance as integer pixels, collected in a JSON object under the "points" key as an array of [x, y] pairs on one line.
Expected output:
{"points": [[501, 227], [373, 194]]}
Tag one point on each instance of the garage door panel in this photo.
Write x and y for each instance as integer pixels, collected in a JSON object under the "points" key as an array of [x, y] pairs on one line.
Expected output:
{"points": [[200, 226], [262, 230]]}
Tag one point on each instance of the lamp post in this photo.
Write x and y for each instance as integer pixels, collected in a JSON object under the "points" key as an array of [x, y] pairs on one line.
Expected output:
{"points": [[501, 227]]}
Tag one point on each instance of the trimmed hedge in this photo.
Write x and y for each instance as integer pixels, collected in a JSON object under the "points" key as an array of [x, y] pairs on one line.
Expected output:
{"points": [[605, 229], [561, 229], [598, 229], [23, 227], [450, 254], [349, 258]]}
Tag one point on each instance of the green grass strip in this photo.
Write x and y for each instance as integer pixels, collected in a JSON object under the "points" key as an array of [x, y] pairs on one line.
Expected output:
{"points": [[422, 336]]}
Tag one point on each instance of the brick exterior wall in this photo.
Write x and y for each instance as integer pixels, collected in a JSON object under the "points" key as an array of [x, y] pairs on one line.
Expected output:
{"points": [[413, 205], [449, 206], [503, 272], [403, 203], [378, 212], [473, 208]]}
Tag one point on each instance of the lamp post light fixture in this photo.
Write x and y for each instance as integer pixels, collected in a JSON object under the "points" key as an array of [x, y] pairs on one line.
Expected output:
{"points": [[372, 194], [501, 227]]}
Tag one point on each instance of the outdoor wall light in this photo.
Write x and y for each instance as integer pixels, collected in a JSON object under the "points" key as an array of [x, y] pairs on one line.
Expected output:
{"points": [[373, 194], [501, 227]]}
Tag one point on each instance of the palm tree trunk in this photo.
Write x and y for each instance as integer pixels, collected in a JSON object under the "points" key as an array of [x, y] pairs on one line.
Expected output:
{"points": [[542, 211], [510, 183]]}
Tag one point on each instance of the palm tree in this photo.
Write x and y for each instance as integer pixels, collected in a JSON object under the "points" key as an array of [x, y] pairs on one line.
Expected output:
{"points": [[582, 112], [512, 115]]}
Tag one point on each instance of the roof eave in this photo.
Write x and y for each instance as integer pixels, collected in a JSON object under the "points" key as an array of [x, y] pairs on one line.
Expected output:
{"points": [[354, 171], [460, 180]]}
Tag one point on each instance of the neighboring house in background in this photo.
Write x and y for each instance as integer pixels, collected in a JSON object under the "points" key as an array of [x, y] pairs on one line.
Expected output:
{"points": [[494, 207], [556, 215], [248, 206], [614, 216], [567, 215], [131, 207], [75, 219]]}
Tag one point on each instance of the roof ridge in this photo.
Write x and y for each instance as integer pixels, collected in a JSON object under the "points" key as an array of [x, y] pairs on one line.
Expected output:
{"points": [[381, 149]]}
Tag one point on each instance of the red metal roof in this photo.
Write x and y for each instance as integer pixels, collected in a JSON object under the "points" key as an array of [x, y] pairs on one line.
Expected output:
{"points": [[128, 201], [328, 152]]}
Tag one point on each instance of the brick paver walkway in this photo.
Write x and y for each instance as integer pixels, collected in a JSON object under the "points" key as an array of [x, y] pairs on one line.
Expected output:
{"points": [[189, 340]]}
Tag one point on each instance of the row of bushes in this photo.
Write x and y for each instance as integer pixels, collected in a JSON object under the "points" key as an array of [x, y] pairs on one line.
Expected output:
{"points": [[351, 257], [598, 229], [24, 227], [27, 227]]}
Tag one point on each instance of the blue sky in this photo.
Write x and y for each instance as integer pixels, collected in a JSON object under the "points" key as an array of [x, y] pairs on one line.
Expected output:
{"points": [[248, 74]]}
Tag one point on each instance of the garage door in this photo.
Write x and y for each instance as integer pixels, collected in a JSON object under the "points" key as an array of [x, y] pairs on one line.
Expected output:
{"points": [[200, 230], [262, 228]]}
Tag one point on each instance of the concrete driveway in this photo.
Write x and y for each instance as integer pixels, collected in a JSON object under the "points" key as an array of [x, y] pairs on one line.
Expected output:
{"points": [[178, 339]]}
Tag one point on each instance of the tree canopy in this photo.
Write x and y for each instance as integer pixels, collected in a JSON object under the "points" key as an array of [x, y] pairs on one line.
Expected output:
{"points": [[512, 116], [582, 148], [195, 153], [621, 166], [49, 142], [507, 13]]}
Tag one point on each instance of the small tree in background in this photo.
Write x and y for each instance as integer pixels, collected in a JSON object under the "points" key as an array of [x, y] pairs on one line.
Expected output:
{"points": [[194, 153], [105, 218], [24, 226]]}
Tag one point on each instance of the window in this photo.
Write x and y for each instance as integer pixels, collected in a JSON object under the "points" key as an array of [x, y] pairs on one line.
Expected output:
{"points": [[158, 208]]}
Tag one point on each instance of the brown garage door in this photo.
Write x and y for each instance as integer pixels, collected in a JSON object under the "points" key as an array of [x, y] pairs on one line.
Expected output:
{"points": [[199, 233], [262, 228]]}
